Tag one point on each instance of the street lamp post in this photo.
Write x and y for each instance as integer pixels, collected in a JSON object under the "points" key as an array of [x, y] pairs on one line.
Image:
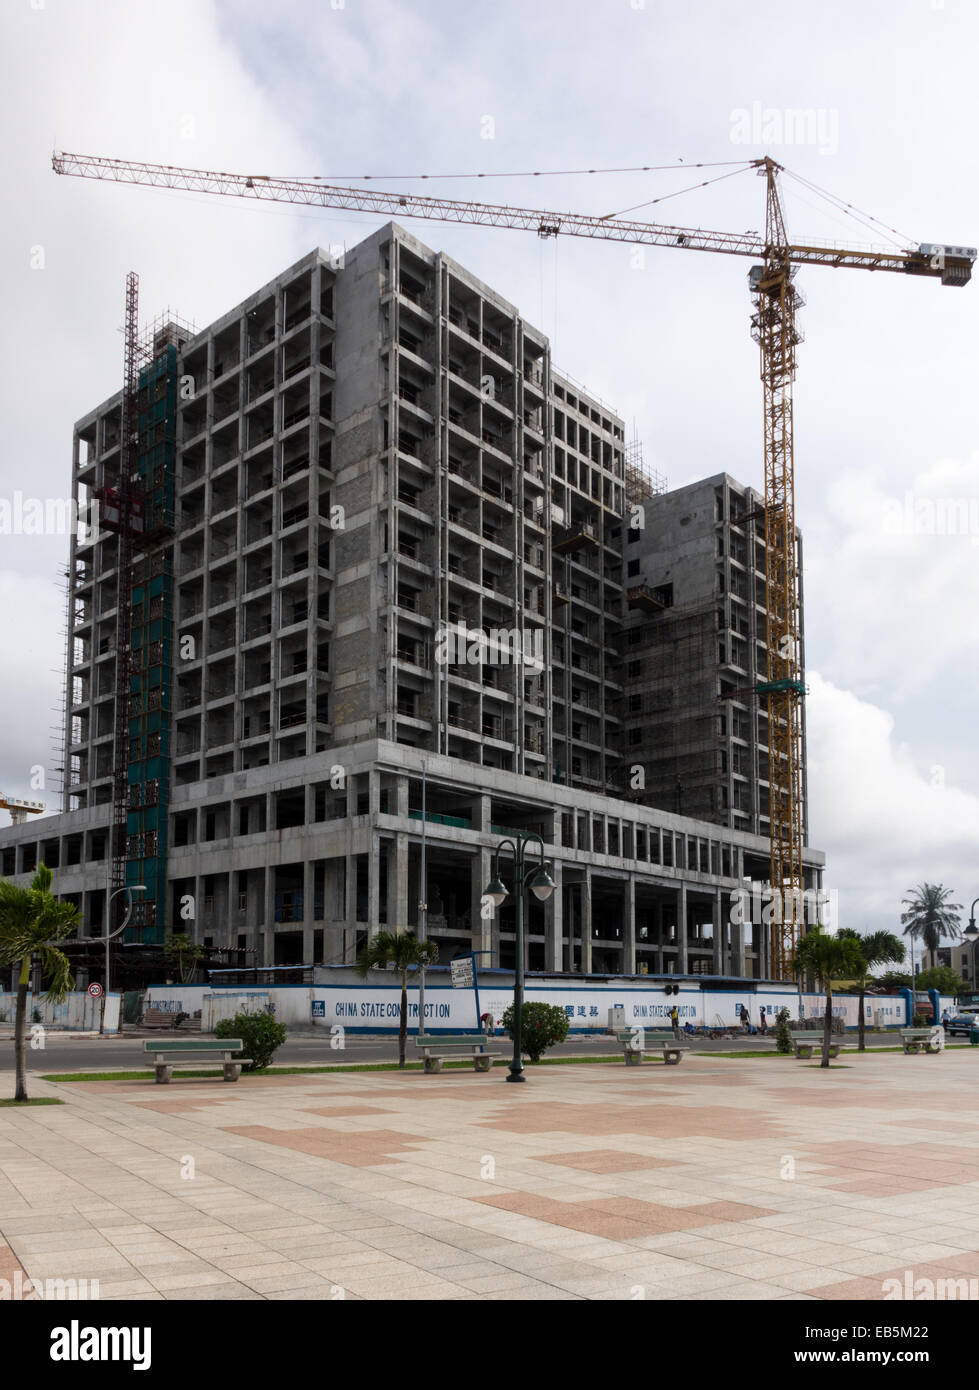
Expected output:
{"points": [[129, 889], [422, 909], [973, 934], [542, 886]]}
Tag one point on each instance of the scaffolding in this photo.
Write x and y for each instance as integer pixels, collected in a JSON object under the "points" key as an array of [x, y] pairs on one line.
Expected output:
{"points": [[141, 511], [641, 482], [151, 661]]}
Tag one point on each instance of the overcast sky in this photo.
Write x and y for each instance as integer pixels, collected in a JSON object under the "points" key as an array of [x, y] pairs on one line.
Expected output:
{"points": [[886, 403]]}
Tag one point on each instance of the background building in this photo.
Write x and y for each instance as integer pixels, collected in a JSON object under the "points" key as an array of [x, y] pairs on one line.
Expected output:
{"points": [[349, 464], [695, 649]]}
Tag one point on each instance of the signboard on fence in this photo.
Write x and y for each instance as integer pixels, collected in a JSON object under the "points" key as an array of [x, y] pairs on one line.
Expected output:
{"points": [[462, 973]]}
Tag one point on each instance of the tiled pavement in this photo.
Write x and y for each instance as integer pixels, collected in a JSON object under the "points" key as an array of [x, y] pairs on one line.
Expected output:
{"points": [[718, 1179]]}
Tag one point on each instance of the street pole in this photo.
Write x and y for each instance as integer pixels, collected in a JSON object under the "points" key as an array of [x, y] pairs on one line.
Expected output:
{"points": [[422, 909], [109, 936], [516, 1064], [542, 886], [971, 931]]}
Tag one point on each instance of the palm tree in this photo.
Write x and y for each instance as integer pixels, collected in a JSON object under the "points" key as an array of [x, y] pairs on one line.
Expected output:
{"points": [[405, 952], [827, 958], [879, 948], [930, 916], [31, 921]]}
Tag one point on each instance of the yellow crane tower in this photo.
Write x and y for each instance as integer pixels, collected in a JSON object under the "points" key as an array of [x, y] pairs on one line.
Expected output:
{"points": [[775, 301]]}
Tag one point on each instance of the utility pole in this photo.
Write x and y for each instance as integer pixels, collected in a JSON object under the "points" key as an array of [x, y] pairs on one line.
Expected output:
{"points": [[422, 910]]}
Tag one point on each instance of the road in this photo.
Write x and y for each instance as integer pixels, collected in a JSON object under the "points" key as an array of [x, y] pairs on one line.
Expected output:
{"points": [[62, 1053]]}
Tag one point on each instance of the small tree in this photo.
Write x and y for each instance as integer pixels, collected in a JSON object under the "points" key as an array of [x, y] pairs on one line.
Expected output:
{"points": [[405, 952], [260, 1034], [827, 958], [182, 953], [783, 1036], [879, 948], [943, 978], [32, 920], [541, 1026]]}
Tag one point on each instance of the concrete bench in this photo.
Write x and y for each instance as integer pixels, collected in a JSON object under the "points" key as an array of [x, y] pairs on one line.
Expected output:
{"points": [[436, 1050], [636, 1041], [804, 1043], [922, 1039], [220, 1052]]}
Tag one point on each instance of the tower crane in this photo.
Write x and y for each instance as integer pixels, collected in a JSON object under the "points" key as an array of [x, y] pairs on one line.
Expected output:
{"points": [[20, 809], [775, 301]]}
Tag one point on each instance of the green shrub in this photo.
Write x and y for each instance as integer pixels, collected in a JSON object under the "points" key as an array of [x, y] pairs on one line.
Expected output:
{"points": [[783, 1039], [919, 1021], [541, 1027], [260, 1034]]}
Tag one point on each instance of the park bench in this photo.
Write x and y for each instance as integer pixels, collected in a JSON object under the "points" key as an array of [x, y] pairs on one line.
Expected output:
{"points": [[219, 1052], [921, 1039], [436, 1050], [805, 1042], [636, 1041]]}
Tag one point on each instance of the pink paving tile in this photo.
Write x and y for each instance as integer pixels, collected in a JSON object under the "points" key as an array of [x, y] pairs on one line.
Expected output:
{"points": [[606, 1161]]}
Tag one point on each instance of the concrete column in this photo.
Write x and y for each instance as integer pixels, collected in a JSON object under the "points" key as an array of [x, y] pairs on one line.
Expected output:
{"points": [[334, 910], [268, 928], [373, 877], [350, 906], [586, 923], [737, 949], [400, 807], [482, 816], [485, 930], [681, 929], [553, 946], [309, 884], [719, 925], [397, 883], [629, 927]]}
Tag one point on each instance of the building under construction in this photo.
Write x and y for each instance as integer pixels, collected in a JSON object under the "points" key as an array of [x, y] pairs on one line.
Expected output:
{"points": [[696, 651], [356, 461]]}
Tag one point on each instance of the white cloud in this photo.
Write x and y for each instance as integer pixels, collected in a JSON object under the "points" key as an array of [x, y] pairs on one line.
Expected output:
{"points": [[32, 613], [892, 570], [885, 822]]}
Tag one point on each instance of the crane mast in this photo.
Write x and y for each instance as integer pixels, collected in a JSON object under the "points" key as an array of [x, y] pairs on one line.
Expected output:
{"points": [[773, 326]]}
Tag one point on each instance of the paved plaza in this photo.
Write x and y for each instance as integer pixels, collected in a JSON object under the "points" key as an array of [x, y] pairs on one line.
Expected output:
{"points": [[717, 1179]]}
